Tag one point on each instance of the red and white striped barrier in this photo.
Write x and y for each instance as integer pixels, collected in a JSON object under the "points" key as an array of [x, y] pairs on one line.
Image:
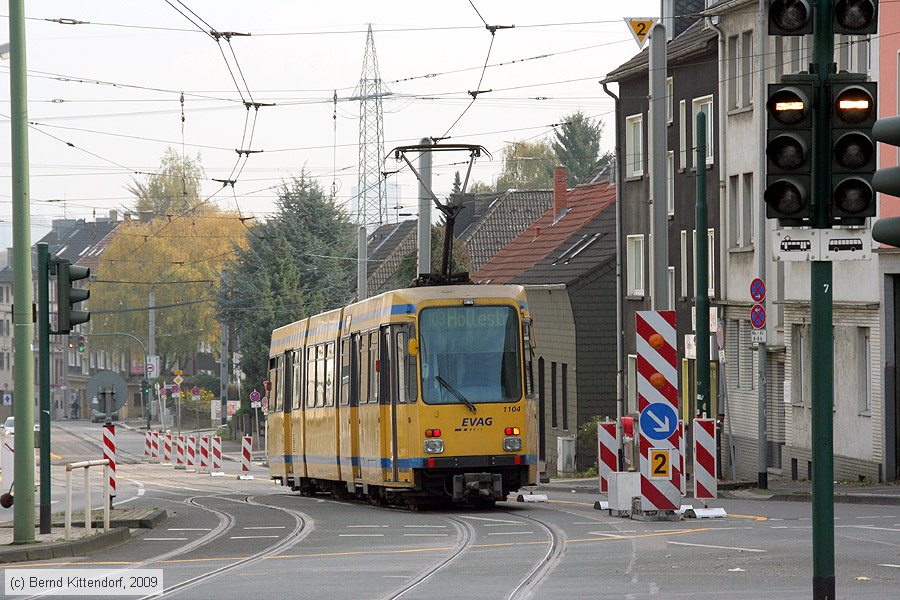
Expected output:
{"points": [[705, 472], [203, 451], [190, 452], [109, 452], [682, 484], [167, 448], [179, 453], [216, 454], [246, 455], [154, 446], [607, 453], [657, 384], [147, 444]]}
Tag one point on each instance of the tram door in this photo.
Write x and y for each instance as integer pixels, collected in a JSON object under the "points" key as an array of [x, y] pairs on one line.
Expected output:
{"points": [[389, 393]]}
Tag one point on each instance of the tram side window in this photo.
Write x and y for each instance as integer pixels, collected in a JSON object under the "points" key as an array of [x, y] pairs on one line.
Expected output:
{"points": [[406, 369], [273, 377], [345, 372], [363, 369], [277, 385], [298, 380], [329, 374], [373, 367], [311, 377], [529, 358]]}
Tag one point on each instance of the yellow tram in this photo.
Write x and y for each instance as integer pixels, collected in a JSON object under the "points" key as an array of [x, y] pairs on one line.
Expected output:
{"points": [[414, 395]]}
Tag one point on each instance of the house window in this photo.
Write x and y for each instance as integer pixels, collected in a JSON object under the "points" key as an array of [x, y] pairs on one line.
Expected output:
{"points": [[705, 106], [634, 146], [670, 180], [553, 420], [565, 396], [746, 68], [734, 212], [779, 54], [733, 72], [747, 223], [711, 261], [685, 290], [864, 369], [800, 368], [671, 281], [635, 260], [670, 100], [682, 135]]}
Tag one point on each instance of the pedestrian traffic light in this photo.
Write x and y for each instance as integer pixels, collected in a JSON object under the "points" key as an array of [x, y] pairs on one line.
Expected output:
{"points": [[789, 151], [855, 17], [67, 296], [81, 344], [887, 181], [790, 17], [852, 149]]}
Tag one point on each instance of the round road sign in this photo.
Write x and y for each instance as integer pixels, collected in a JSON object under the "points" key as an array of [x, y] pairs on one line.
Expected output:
{"points": [[758, 290], [758, 316], [254, 396]]}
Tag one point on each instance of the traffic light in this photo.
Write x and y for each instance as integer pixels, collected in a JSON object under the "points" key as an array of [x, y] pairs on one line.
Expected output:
{"points": [[790, 17], [852, 149], [887, 181], [68, 296], [789, 151], [71, 343], [81, 344], [855, 17], [145, 386]]}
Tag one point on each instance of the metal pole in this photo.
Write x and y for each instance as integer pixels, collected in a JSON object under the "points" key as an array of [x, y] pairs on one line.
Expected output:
{"points": [[702, 283], [151, 339], [821, 336], [87, 502], [424, 222], [659, 296], [68, 503], [23, 335], [761, 251], [44, 379], [362, 261], [223, 362]]}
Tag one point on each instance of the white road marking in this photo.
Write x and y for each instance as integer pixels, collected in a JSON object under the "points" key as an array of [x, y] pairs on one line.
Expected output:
{"points": [[369, 526], [487, 519], [395, 576], [716, 547], [870, 527], [165, 539], [585, 522], [426, 526], [889, 565], [360, 535], [189, 529], [512, 533], [878, 517], [267, 527], [424, 534], [510, 524], [252, 537]]}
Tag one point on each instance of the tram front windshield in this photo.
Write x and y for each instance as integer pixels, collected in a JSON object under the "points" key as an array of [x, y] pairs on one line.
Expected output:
{"points": [[470, 351]]}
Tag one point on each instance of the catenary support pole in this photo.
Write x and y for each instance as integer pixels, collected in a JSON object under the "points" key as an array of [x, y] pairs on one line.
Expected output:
{"points": [[23, 327], [43, 254], [424, 223], [761, 250], [702, 279], [821, 335], [659, 257], [223, 362]]}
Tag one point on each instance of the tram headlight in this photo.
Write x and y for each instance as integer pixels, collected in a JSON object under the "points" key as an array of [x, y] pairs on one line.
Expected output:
{"points": [[434, 446], [512, 444]]}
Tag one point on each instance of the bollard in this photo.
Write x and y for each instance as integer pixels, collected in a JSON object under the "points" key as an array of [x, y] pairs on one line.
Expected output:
{"points": [[217, 457], [246, 449]]}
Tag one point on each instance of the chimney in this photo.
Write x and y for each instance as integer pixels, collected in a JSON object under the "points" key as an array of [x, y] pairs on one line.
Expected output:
{"points": [[113, 215], [560, 175]]}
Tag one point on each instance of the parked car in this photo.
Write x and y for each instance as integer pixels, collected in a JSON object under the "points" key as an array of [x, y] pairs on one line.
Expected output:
{"points": [[9, 426]]}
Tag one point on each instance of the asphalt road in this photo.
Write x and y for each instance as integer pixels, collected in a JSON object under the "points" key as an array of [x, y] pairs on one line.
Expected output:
{"points": [[232, 539]]}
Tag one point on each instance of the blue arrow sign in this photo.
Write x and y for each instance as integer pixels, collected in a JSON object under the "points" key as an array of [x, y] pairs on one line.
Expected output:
{"points": [[658, 421]]}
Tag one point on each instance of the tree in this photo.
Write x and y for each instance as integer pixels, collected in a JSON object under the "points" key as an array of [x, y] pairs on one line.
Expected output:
{"points": [[527, 166], [460, 261], [179, 259], [299, 263], [173, 189], [457, 184], [577, 146]]}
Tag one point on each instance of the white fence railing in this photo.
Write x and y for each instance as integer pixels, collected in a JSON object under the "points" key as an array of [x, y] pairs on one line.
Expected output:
{"points": [[88, 525]]}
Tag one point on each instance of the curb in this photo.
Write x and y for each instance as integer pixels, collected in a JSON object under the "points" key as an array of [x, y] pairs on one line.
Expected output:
{"points": [[149, 522], [871, 499], [113, 537]]}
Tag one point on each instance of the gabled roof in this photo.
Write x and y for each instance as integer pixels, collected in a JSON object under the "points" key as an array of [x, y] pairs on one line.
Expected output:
{"points": [[80, 242], [386, 248], [504, 216], [589, 248], [696, 40], [546, 234]]}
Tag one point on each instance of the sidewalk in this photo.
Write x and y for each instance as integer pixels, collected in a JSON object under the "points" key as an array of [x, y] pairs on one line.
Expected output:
{"points": [[780, 490]]}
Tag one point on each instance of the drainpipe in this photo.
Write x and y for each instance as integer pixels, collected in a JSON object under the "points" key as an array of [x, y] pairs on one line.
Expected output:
{"points": [[620, 347]]}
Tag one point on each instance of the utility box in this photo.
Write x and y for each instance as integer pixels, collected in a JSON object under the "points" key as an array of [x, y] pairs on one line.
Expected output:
{"points": [[565, 456], [623, 486]]}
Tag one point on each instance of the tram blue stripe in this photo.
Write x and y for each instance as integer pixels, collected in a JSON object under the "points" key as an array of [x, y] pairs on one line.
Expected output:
{"points": [[367, 462]]}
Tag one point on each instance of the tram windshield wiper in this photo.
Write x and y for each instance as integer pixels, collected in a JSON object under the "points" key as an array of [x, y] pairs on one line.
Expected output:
{"points": [[456, 393]]}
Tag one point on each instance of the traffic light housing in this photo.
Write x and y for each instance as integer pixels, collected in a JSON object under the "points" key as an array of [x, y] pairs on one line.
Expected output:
{"points": [[145, 386], [790, 17], [67, 296], [853, 113], [887, 181], [81, 344], [788, 192], [850, 17], [855, 17]]}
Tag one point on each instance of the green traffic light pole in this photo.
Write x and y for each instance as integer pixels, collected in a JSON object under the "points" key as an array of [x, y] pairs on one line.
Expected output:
{"points": [[821, 294], [43, 256], [702, 283], [144, 350]]}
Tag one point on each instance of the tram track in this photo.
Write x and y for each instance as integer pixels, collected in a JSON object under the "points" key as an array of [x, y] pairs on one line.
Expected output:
{"points": [[545, 565]]}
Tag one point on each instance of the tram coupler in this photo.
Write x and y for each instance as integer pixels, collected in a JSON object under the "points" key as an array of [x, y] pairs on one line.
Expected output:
{"points": [[477, 485]]}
